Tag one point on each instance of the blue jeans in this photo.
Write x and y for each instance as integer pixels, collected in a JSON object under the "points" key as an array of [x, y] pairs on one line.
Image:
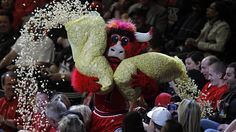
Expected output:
{"points": [[209, 125]]}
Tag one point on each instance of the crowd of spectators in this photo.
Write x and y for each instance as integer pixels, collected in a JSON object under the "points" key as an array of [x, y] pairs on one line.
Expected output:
{"points": [[200, 32]]}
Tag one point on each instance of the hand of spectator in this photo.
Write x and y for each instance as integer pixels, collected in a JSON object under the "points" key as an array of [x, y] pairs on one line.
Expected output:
{"points": [[53, 69], [132, 105], [222, 127], [11, 67], [44, 72], [55, 76]]}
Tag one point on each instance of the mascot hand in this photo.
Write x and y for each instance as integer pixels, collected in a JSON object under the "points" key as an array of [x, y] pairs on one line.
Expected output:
{"points": [[141, 80], [148, 85], [83, 83]]}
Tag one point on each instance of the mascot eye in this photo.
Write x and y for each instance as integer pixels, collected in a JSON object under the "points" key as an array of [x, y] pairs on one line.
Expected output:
{"points": [[124, 41], [115, 38]]}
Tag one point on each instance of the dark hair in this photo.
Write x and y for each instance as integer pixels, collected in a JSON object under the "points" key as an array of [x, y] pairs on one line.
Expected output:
{"points": [[233, 65], [10, 74], [221, 8], [139, 12], [196, 56], [219, 67], [7, 14], [132, 123], [172, 126]]}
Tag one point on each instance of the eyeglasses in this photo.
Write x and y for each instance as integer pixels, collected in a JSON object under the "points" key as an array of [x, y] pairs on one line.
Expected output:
{"points": [[124, 40]]}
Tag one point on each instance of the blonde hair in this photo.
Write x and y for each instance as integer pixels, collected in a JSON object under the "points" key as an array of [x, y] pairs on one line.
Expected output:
{"points": [[189, 115]]}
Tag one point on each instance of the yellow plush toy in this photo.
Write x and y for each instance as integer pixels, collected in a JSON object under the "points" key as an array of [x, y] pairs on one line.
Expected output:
{"points": [[158, 66], [87, 36]]}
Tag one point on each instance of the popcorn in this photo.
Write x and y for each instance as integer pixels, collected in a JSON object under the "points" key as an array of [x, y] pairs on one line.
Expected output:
{"points": [[53, 15]]}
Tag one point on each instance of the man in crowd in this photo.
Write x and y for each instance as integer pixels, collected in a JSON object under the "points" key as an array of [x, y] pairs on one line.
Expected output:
{"points": [[216, 87], [8, 103], [7, 36], [206, 62], [227, 110]]}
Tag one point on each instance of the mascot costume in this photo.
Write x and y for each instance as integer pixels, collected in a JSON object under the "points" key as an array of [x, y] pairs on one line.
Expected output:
{"points": [[109, 64]]}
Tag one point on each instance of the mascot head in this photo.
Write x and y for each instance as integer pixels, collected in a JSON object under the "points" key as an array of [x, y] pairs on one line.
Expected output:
{"points": [[122, 41]]}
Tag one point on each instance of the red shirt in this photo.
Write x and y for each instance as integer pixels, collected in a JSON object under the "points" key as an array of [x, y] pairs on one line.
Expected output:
{"points": [[8, 111], [23, 8], [112, 103], [52, 129], [40, 123], [213, 93]]}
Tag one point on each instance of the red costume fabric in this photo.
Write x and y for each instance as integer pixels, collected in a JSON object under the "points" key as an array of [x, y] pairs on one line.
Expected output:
{"points": [[111, 107], [8, 111], [106, 123], [40, 123], [213, 93]]}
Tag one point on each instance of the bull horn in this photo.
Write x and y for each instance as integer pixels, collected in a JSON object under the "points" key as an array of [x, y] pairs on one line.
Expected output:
{"points": [[144, 37]]}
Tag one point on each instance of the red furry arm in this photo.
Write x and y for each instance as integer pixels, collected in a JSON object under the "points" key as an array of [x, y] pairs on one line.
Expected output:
{"points": [[82, 83], [148, 85]]}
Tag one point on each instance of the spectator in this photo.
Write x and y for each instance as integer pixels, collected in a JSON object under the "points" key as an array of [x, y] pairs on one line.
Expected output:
{"points": [[138, 17], [189, 115], [23, 8], [60, 76], [231, 127], [216, 31], [158, 116], [228, 102], [172, 126], [71, 123], [97, 5], [7, 35], [59, 38], [132, 123], [44, 57], [39, 120], [216, 88], [62, 98], [206, 62], [8, 103], [193, 61], [156, 15], [189, 24], [193, 64], [115, 10], [226, 113], [85, 112], [7, 5], [54, 113], [162, 100]]}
